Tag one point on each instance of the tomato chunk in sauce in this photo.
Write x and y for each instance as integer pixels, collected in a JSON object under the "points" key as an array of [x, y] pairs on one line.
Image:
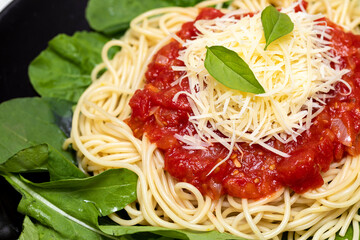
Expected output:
{"points": [[256, 172]]}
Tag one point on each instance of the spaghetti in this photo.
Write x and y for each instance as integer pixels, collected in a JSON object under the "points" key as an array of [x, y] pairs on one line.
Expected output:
{"points": [[103, 140]]}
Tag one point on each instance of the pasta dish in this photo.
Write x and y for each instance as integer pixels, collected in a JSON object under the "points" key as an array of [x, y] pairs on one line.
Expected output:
{"points": [[212, 157]]}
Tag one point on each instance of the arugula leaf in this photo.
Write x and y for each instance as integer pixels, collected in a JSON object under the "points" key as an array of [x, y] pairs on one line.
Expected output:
{"points": [[62, 112], [143, 236], [30, 159], [30, 231], [227, 4], [36, 231], [63, 70], [348, 235], [26, 122], [227, 67], [70, 208], [29, 122], [114, 16], [171, 233], [275, 24]]}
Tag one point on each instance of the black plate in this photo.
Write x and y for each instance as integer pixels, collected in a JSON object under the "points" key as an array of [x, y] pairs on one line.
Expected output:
{"points": [[26, 26]]}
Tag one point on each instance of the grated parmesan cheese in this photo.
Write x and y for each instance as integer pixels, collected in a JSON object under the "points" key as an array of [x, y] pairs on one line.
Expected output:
{"points": [[295, 72]]}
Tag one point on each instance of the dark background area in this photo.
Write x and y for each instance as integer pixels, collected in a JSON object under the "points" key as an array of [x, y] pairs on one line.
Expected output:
{"points": [[26, 26]]}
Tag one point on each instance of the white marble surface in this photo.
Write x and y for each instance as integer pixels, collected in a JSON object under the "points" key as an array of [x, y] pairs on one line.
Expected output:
{"points": [[4, 3]]}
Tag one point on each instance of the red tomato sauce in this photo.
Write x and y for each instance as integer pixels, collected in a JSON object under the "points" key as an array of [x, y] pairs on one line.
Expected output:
{"points": [[257, 172]]}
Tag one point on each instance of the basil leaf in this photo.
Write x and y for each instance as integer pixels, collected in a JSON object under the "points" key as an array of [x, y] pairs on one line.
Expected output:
{"points": [[275, 24], [231, 70]]}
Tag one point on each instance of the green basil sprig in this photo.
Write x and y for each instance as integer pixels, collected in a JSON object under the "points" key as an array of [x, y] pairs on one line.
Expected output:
{"points": [[228, 68], [275, 24]]}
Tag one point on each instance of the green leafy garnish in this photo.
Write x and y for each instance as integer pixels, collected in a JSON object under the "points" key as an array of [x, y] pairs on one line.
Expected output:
{"points": [[63, 70], [31, 159], [348, 235], [231, 70], [166, 232], [30, 122], [70, 208], [113, 16], [275, 24]]}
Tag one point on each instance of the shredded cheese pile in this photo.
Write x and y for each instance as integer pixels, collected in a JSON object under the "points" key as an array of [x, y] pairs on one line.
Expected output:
{"points": [[295, 71]]}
